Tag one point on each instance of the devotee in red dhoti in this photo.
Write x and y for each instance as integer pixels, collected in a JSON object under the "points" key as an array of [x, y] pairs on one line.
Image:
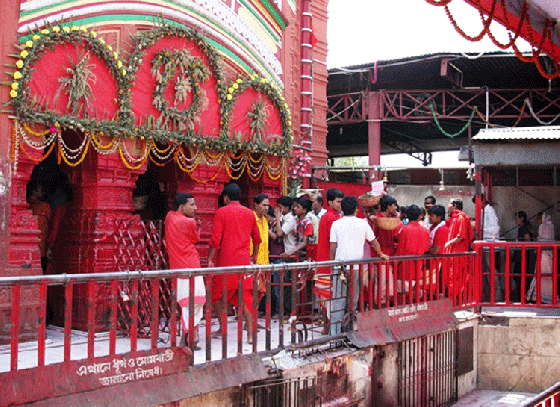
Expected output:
{"points": [[458, 241], [414, 239], [234, 227], [181, 235]]}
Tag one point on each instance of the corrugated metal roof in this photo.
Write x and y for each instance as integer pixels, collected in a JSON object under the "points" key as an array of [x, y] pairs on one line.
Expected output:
{"points": [[519, 133]]}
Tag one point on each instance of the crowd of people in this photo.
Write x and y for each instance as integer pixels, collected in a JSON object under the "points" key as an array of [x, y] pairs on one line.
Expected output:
{"points": [[313, 228]]}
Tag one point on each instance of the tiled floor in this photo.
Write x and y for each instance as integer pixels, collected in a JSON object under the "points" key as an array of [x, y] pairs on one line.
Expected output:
{"points": [[521, 312], [491, 398], [54, 349]]}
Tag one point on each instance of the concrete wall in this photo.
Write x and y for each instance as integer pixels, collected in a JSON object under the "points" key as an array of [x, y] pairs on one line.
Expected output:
{"points": [[231, 397], [518, 354], [415, 194], [531, 199], [466, 382]]}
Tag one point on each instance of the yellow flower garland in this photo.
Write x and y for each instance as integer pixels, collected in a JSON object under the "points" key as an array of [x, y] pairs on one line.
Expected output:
{"points": [[82, 158], [254, 164], [127, 165]]}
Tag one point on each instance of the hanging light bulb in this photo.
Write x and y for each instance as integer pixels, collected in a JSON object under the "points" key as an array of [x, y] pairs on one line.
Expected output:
{"points": [[441, 183], [470, 172]]}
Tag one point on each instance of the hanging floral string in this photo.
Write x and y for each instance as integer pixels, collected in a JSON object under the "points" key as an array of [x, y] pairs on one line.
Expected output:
{"points": [[539, 46], [298, 169], [528, 103], [449, 134], [187, 157]]}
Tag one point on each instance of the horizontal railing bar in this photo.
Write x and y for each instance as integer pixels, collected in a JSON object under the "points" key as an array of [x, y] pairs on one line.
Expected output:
{"points": [[543, 396], [61, 279]]}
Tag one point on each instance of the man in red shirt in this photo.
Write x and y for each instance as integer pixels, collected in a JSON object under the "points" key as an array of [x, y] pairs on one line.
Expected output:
{"points": [[388, 208], [439, 232], [234, 227], [458, 240], [323, 283], [414, 239], [387, 238], [181, 235]]}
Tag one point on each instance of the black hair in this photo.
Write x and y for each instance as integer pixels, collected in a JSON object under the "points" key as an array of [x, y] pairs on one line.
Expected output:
{"points": [[30, 189], [349, 205], [270, 212], [333, 193], [232, 191], [457, 203], [437, 210], [474, 198], [522, 215], [180, 199], [413, 212], [386, 201], [433, 198], [319, 198], [259, 198], [286, 201], [305, 203]]}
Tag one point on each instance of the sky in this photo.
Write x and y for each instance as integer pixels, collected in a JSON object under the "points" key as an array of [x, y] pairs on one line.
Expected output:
{"points": [[365, 31]]}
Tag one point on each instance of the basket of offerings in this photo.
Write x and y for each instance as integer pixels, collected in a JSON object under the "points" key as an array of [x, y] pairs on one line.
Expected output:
{"points": [[369, 200], [387, 223]]}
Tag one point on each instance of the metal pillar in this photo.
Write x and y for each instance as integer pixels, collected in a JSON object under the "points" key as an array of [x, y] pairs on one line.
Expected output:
{"points": [[373, 109]]}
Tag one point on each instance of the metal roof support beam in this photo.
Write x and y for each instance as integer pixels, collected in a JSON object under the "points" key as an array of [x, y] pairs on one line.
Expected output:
{"points": [[411, 149], [414, 105], [372, 105]]}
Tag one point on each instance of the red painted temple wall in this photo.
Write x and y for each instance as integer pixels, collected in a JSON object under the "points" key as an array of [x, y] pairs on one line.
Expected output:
{"points": [[103, 186]]}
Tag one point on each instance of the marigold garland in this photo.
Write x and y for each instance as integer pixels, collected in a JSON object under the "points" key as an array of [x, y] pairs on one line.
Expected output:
{"points": [[34, 133], [236, 164], [524, 21], [127, 165], [82, 158], [98, 142]]}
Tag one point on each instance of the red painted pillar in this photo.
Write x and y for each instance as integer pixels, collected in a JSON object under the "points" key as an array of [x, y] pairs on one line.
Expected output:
{"points": [[8, 37], [102, 188], [18, 229], [306, 75], [373, 109]]}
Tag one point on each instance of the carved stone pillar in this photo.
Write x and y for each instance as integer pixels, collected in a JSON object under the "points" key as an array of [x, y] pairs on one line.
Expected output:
{"points": [[24, 258]]}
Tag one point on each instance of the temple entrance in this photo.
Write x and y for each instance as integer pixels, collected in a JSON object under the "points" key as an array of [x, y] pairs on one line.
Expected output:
{"points": [[150, 200], [49, 195], [50, 185]]}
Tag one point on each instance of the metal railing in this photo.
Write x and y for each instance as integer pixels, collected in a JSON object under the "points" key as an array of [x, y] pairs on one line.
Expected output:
{"points": [[517, 274], [548, 398], [372, 283]]}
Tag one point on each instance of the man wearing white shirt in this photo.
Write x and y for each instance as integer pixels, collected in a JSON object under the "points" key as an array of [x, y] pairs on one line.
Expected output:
{"points": [[491, 227], [286, 227], [491, 232], [348, 237], [317, 205]]}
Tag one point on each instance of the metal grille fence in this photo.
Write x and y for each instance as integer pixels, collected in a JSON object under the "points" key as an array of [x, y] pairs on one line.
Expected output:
{"points": [[295, 392], [140, 246], [428, 370]]}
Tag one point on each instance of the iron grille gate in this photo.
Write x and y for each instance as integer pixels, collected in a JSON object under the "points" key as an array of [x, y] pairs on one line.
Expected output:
{"points": [[295, 392], [140, 246], [428, 370]]}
